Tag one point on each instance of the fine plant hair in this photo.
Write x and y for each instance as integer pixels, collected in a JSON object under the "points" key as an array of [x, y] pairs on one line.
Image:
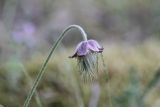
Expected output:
{"points": [[42, 70], [88, 67]]}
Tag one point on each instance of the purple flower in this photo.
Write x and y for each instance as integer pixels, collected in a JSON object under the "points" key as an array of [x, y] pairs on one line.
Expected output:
{"points": [[86, 47], [87, 56]]}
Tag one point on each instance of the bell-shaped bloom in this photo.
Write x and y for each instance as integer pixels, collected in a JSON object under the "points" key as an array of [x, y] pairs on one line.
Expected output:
{"points": [[87, 57], [86, 47]]}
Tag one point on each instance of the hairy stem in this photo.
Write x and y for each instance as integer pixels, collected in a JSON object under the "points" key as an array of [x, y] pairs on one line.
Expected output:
{"points": [[42, 70]]}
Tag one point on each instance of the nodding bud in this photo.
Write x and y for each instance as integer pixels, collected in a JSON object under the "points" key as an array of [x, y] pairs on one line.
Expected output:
{"points": [[86, 54]]}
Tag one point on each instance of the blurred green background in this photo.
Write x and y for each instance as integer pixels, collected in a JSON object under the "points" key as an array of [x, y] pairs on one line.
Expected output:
{"points": [[129, 31]]}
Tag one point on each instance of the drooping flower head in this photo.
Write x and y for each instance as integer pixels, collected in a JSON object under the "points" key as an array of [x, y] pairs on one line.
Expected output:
{"points": [[87, 56]]}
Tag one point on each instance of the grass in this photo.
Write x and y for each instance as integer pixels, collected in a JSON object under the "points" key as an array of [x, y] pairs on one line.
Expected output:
{"points": [[132, 71]]}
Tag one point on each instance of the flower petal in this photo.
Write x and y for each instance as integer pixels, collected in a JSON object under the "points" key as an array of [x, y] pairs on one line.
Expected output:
{"points": [[85, 47], [94, 46], [81, 49]]}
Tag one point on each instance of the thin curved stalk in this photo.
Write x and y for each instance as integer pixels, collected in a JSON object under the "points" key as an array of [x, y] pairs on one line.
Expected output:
{"points": [[42, 70], [29, 79]]}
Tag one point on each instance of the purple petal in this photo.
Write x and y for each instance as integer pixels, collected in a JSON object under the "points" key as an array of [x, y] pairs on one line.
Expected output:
{"points": [[94, 46], [81, 49], [84, 47]]}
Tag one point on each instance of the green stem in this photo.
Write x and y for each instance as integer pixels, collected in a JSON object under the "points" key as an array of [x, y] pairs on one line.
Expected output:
{"points": [[42, 70], [29, 79]]}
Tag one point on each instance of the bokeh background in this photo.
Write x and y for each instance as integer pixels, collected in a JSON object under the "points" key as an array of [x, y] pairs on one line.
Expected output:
{"points": [[129, 31]]}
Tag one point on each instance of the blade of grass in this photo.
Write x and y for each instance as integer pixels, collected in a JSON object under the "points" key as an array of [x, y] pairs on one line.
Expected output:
{"points": [[152, 83]]}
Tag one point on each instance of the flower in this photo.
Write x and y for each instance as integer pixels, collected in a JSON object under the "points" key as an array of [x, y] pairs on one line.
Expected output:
{"points": [[87, 56], [86, 47]]}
